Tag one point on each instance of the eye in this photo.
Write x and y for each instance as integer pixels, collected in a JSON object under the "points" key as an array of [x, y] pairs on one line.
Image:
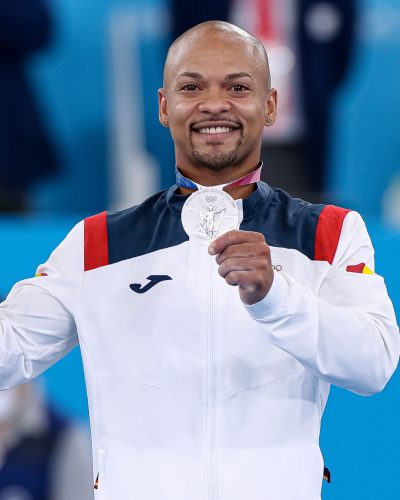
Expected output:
{"points": [[239, 87], [190, 87]]}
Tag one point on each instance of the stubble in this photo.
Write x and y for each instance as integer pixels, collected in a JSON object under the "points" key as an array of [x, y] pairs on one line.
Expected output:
{"points": [[215, 159]]}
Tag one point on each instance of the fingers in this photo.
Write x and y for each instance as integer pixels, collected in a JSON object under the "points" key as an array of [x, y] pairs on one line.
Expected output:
{"points": [[244, 279], [240, 244], [234, 237], [238, 264], [244, 260], [247, 250]]}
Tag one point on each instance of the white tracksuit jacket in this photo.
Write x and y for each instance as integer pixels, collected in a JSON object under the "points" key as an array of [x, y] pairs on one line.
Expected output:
{"points": [[193, 396]]}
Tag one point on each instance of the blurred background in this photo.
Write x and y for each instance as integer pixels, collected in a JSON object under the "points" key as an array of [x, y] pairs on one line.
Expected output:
{"points": [[79, 133]]}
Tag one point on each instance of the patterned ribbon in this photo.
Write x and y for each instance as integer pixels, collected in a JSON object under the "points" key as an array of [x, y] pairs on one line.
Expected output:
{"points": [[250, 178]]}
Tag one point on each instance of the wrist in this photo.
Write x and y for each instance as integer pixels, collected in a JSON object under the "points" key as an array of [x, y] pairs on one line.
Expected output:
{"points": [[272, 302]]}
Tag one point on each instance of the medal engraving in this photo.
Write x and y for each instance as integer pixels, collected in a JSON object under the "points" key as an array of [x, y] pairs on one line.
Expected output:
{"points": [[210, 220], [209, 213]]}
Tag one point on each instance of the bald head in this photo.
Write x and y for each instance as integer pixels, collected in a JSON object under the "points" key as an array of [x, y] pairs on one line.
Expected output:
{"points": [[217, 99], [217, 33]]}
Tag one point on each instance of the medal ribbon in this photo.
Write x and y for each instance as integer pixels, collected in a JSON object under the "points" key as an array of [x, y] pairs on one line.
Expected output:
{"points": [[250, 178]]}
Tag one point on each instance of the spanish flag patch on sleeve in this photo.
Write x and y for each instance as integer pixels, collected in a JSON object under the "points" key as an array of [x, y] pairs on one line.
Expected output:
{"points": [[359, 268]]}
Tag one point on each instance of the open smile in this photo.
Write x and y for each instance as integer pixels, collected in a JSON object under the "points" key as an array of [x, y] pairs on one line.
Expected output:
{"points": [[216, 130]]}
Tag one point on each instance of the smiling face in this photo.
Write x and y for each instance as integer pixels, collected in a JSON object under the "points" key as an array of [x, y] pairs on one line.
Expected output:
{"points": [[216, 99]]}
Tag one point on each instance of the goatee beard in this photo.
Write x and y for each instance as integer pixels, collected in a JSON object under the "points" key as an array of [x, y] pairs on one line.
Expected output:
{"points": [[216, 160]]}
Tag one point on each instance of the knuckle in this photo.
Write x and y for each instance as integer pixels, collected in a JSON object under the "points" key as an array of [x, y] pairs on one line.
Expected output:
{"points": [[232, 278], [266, 249], [259, 268], [222, 270], [231, 236], [260, 237], [257, 237], [218, 245], [229, 251], [263, 249]]}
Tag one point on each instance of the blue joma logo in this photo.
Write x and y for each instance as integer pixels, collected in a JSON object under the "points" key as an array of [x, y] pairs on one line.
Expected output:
{"points": [[153, 280]]}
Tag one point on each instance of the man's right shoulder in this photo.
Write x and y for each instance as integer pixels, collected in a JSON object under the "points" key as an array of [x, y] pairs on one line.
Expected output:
{"points": [[110, 237]]}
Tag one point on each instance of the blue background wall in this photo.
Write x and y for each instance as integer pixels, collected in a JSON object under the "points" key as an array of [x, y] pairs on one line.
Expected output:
{"points": [[365, 148], [72, 81]]}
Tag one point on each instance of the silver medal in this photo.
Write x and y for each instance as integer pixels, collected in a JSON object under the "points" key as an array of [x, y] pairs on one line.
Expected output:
{"points": [[209, 213]]}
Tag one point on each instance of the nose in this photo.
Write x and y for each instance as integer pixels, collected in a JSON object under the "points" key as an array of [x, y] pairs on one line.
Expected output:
{"points": [[214, 102]]}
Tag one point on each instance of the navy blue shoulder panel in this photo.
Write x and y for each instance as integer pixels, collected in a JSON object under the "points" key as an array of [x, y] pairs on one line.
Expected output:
{"points": [[284, 221], [156, 223], [145, 228]]}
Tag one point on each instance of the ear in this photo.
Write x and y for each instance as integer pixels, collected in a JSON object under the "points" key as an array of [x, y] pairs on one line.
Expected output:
{"points": [[271, 103], [162, 107]]}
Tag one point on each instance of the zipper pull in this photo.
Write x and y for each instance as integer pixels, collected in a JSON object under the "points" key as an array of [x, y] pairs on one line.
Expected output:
{"points": [[96, 483]]}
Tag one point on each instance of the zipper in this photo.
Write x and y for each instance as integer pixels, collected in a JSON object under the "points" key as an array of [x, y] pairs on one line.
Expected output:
{"points": [[211, 389], [213, 485]]}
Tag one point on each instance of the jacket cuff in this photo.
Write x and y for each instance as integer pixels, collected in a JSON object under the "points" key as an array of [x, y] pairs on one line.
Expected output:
{"points": [[272, 303]]}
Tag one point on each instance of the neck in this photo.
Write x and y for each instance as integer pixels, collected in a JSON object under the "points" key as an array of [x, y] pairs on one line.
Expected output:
{"points": [[238, 184], [239, 192]]}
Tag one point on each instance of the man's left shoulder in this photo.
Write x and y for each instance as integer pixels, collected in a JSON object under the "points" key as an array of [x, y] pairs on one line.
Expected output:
{"points": [[312, 228]]}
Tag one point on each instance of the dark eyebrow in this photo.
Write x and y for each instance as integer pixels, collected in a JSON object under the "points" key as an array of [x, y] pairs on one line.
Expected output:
{"points": [[232, 76], [241, 74], [190, 74]]}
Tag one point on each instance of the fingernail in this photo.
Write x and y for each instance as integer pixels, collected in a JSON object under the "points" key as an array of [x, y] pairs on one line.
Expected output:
{"points": [[211, 250]]}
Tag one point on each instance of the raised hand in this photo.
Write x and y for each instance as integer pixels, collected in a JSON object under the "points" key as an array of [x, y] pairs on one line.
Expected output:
{"points": [[244, 260]]}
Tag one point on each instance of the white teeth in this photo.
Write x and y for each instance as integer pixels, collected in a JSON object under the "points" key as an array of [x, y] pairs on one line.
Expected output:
{"points": [[214, 130]]}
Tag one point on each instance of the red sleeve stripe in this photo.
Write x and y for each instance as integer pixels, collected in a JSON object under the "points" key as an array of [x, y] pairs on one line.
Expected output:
{"points": [[329, 227], [96, 241]]}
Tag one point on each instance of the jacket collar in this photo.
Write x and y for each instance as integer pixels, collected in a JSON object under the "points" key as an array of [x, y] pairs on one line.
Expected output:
{"points": [[260, 198]]}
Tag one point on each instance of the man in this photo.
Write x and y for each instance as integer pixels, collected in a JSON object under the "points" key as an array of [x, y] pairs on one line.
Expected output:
{"points": [[198, 389]]}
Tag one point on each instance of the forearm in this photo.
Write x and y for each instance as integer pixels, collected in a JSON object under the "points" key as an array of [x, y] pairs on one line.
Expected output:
{"points": [[35, 332], [355, 346]]}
